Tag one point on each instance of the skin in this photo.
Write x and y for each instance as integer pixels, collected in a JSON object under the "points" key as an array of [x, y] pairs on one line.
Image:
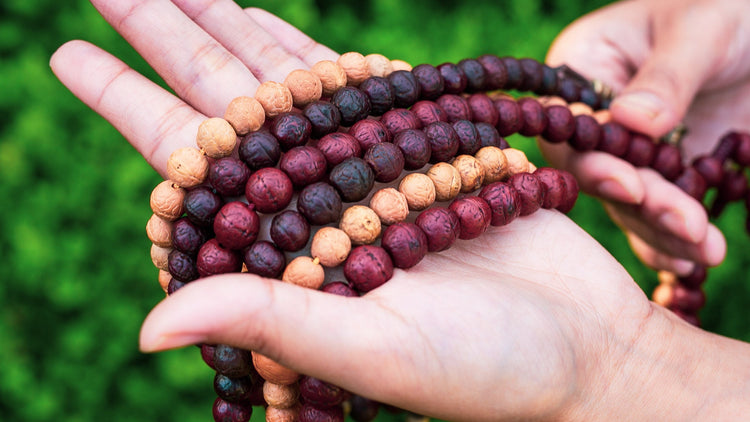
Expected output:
{"points": [[513, 327]]}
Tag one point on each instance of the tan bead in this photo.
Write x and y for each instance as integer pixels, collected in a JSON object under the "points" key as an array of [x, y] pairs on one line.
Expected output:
{"points": [[331, 75], [446, 179], [275, 98], [361, 224], [494, 162], [471, 171], [532, 167], [667, 277], [160, 257], [245, 114], [390, 205], [280, 396], [356, 67], [602, 116], [580, 108], [379, 65], [187, 167], [167, 200], [331, 246], [216, 137], [517, 161], [159, 231], [419, 191], [305, 87], [273, 371], [552, 100], [164, 278], [304, 271], [400, 65], [289, 414], [664, 294]]}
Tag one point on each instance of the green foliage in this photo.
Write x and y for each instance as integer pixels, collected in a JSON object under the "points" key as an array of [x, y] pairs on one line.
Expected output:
{"points": [[76, 279]]}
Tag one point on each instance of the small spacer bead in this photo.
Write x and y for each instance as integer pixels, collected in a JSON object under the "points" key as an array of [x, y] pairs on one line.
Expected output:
{"points": [[245, 114], [304, 271], [400, 65], [419, 191], [390, 205], [275, 98], [361, 224], [216, 137], [379, 65], [356, 67], [187, 167], [305, 87], [331, 75]]}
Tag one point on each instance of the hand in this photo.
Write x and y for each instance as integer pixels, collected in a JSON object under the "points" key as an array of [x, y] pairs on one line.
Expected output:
{"points": [[669, 61]]}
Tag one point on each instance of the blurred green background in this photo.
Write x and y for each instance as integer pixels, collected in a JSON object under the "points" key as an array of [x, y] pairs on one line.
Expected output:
{"points": [[76, 279]]}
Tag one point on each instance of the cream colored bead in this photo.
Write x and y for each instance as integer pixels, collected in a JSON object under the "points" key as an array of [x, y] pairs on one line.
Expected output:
{"points": [[419, 191], [532, 167], [356, 67], [471, 171], [304, 86], [331, 75], [289, 414], [390, 205], [216, 137], [447, 181], [272, 371], [578, 108], [160, 257], [552, 100], [304, 271], [494, 162], [275, 98], [187, 167], [331, 246], [245, 114], [379, 65], [164, 278], [400, 65], [167, 200], [361, 224], [517, 161], [602, 116], [280, 396], [159, 231]]}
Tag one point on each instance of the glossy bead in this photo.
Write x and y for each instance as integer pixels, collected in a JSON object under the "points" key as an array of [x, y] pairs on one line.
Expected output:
{"points": [[386, 161], [353, 178], [369, 132], [504, 201], [353, 104], [259, 149], [201, 205], [233, 390], [324, 118], [443, 141], [454, 79], [228, 175], [319, 203], [236, 225], [489, 136], [264, 259], [270, 189], [380, 93], [415, 146], [368, 267], [291, 129], [406, 89], [441, 227], [482, 109], [289, 230], [406, 243], [474, 216], [182, 266], [232, 361], [304, 165], [431, 83]]}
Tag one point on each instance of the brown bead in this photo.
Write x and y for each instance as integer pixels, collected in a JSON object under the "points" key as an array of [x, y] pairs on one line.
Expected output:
{"points": [[289, 414], [245, 114], [447, 181], [419, 191], [474, 215], [160, 257], [305, 87], [167, 200], [280, 396], [471, 172], [331, 246], [331, 75], [361, 224], [304, 271], [187, 167], [517, 161], [159, 231], [368, 267], [379, 65], [579, 108], [275, 98], [216, 137], [390, 205], [272, 371], [400, 65], [494, 162], [356, 67], [164, 279]]}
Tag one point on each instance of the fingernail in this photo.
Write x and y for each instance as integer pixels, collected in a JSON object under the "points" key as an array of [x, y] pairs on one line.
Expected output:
{"points": [[646, 103], [674, 222], [682, 267], [615, 190], [170, 341]]}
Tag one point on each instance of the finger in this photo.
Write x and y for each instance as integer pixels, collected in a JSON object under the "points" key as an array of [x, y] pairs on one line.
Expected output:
{"points": [[292, 39], [154, 121], [199, 69], [243, 37], [658, 260]]}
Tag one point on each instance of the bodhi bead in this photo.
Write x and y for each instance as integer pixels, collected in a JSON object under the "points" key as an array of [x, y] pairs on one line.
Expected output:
{"points": [[429, 112], [214, 259], [455, 107], [182, 266], [233, 390], [380, 93], [386, 160], [272, 371], [245, 114], [561, 124], [291, 129], [667, 161], [166, 200], [468, 137], [369, 132], [489, 136], [471, 172], [447, 181], [216, 137], [494, 163], [187, 167], [406, 243], [361, 224], [310, 413], [615, 139], [400, 119], [289, 230], [353, 178], [418, 190], [331, 246], [454, 79], [692, 183], [378, 65], [443, 139], [304, 165], [368, 267], [709, 167], [264, 259], [474, 216], [289, 414], [232, 361], [415, 146], [440, 226], [390, 205], [235, 412], [304, 86], [497, 73], [319, 203], [164, 279], [504, 202], [236, 225], [517, 161], [571, 192], [159, 231], [337, 147], [201, 205], [187, 236], [532, 74], [554, 186], [534, 118], [228, 175], [259, 149], [510, 118], [331, 75], [275, 98], [324, 118], [530, 191], [406, 89], [270, 189], [305, 272], [339, 288], [482, 109], [431, 84], [280, 396], [355, 66], [353, 104], [587, 135], [400, 65], [476, 75], [641, 151], [174, 285], [319, 393]]}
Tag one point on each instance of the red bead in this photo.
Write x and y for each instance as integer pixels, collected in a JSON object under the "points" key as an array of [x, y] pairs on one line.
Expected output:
{"points": [[368, 267], [380, 93], [742, 151], [497, 73], [443, 141], [264, 259], [319, 393], [441, 226], [339, 288], [228, 175], [532, 74], [304, 165], [455, 107], [292, 129], [476, 75], [236, 225], [554, 186], [530, 190], [587, 135], [710, 168], [474, 216], [224, 411], [386, 160], [369, 132], [504, 201], [214, 259], [515, 73], [668, 161], [400, 119], [482, 109], [469, 141], [270, 189], [571, 192], [510, 118], [641, 151], [416, 148], [406, 243], [615, 139], [561, 124], [431, 83], [692, 183], [337, 147], [429, 112], [534, 118], [406, 89], [289, 230], [453, 77]]}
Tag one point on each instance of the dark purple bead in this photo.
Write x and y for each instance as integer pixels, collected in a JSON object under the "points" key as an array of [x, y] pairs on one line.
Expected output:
{"points": [[443, 141], [380, 93], [482, 109], [615, 139], [405, 88], [489, 136], [182, 266], [453, 77], [324, 118], [310, 413], [468, 137], [710, 168], [532, 74], [695, 279], [455, 107], [474, 216], [353, 104], [561, 124], [304, 165], [726, 146], [589, 97], [207, 354], [174, 285], [319, 393], [742, 150], [337, 147], [339, 288], [692, 183], [568, 90], [264, 259], [353, 179], [441, 226], [259, 149], [534, 118], [289, 230], [733, 186], [588, 133], [530, 190], [515, 73], [554, 186], [224, 411], [687, 300], [269, 189], [406, 243], [292, 129], [504, 201], [386, 160], [187, 236], [641, 151], [368, 267], [497, 73], [236, 225], [476, 75], [667, 161], [510, 119], [571, 192], [550, 82], [369, 132], [232, 361], [228, 176], [415, 147], [214, 259], [400, 119], [431, 84], [201, 205], [363, 409], [319, 203], [429, 112], [233, 390]]}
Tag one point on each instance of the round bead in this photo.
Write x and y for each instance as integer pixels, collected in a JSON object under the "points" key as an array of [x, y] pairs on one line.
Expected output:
{"points": [[400, 65], [517, 161], [339, 288], [304, 86], [160, 257], [554, 186], [231, 361], [368, 267], [379, 65], [259, 149], [667, 161], [291, 129], [510, 118], [320, 394], [236, 225], [355, 66], [233, 390], [380, 93], [530, 191], [272, 371], [223, 410], [228, 175], [337, 147], [280, 396], [216, 137], [361, 224], [324, 118], [304, 271], [710, 168], [331, 246], [245, 114], [641, 151], [441, 227], [476, 76], [319, 203], [406, 243], [571, 192], [561, 125], [304, 165], [405, 88], [369, 132], [201, 206], [290, 414], [429, 112], [447, 181], [416, 148], [214, 259], [468, 137], [289, 230], [497, 73], [331, 75], [270, 189], [455, 107], [182, 267], [310, 413], [474, 216], [386, 160], [443, 141], [587, 134], [568, 90], [159, 231], [275, 98], [400, 119], [482, 109], [353, 104], [494, 162], [532, 74], [615, 139], [489, 136], [164, 279], [504, 202], [264, 259], [534, 118], [353, 178], [692, 183], [515, 73], [471, 172], [418, 190], [431, 84], [453, 77], [187, 167], [390, 205], [167, 200], [174, 285], [187, 236]]}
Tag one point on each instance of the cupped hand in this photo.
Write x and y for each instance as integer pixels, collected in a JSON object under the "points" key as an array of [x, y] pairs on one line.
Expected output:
{"points": [[669, 62]]}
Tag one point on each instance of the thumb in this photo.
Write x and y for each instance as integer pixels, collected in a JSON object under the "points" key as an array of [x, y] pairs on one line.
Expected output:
{"points": [[681, 59]]}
